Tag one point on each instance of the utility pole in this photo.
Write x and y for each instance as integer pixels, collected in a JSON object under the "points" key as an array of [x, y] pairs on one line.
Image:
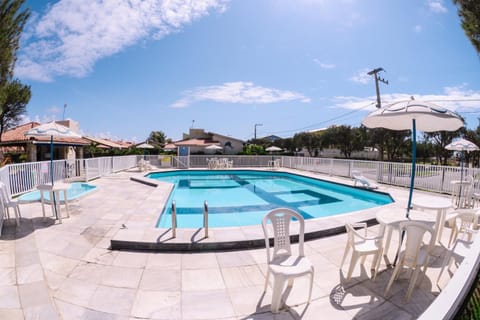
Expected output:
{"points": [[255, 130], [377, 78], [64, 107]]}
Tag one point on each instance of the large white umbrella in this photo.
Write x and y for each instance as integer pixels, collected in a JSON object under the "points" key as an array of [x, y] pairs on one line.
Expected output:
{"points": [[462, 145], [52, 129], [413, 115]]}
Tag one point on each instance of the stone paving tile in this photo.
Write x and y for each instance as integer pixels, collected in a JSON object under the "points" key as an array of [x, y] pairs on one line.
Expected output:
{"points": [[118, 301], [199, 261], [130, 259], [161, 279], [74, 312], [30, 273], [234, 259], [41, 312], [75, 291], [11, 314], [8, 277], [202, 279], [164, 260], [10, 298], [121, 277], [34, 294], [246, 276], [212, 304], [157, 305]]}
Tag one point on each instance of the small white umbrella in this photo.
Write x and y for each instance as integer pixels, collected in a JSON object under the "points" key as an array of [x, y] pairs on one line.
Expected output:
{"points": [[213, 147], [413, 115], [273, 149], [144, 146], [52, 129], [461, 145]]}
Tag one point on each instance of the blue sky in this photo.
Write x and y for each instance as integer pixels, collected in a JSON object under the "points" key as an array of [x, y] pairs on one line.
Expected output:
{"points": [[125, 68]]}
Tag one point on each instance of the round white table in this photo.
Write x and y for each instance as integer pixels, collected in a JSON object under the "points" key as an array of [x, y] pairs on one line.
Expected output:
{"points": [[54, 193], [438, 204]]}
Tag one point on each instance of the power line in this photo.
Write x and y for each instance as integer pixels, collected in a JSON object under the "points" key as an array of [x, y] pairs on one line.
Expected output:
{"points": [[325, 121]]}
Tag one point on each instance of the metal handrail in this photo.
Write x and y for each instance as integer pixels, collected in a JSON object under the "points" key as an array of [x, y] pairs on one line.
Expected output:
{"points": [[205, 218], [174, 219]]}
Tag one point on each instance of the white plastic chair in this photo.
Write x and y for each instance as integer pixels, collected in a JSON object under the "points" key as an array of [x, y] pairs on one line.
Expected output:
{"points": [[281, 263], [417, 240], [465, 222], [362, 246], [359, 178], [8, 203]]}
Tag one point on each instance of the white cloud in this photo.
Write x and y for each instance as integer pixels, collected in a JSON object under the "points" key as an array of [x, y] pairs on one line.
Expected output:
{"points": [[74, 34], [436, 6], [456, 98], [361, 77], [238, 92], [324, 65]]}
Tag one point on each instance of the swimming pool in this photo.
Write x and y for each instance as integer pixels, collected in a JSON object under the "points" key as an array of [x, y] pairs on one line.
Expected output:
{"points": [[243, 197], [75, 191]]}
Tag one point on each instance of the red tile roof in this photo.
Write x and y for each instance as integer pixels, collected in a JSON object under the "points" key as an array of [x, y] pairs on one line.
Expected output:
{"points": [[17, 135]]}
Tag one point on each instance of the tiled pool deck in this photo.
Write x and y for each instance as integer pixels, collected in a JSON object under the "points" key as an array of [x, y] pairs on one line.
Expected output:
{"points": [[67, 271]]}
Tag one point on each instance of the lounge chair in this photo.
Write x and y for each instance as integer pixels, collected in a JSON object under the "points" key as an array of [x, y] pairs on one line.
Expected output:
{"points": [[358, 178]]}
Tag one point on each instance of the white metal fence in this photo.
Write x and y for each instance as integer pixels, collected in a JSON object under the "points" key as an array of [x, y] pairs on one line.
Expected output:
{"points": [[24, 177]]}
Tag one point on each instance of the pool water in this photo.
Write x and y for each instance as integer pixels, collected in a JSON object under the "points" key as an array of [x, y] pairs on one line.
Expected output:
{"points": [[243, 197], [75, 191]]}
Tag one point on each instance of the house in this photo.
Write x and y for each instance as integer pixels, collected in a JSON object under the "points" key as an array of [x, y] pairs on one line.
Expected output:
{"points": [[107, 143], [38, 148], [197, 140]]}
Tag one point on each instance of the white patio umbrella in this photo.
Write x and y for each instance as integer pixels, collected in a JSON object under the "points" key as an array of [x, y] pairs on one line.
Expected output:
{"points": [[462, 145], [52, 129], [144, 146], [213, 147], [273, 149], [413, 115]]}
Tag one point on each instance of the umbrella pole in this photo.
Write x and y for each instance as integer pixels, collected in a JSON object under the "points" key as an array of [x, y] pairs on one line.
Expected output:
{"points": [[51, 176], [414, 160], [461, 179]]}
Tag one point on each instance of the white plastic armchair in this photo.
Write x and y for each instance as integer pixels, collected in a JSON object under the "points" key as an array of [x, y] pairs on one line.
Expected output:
{"points": [[362, 245], [417, 240], [8, 203], [282, 264], [466, 222]]}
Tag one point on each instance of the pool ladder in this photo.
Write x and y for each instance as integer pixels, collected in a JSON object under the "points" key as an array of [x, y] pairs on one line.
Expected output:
{"points": [[174, 218]]}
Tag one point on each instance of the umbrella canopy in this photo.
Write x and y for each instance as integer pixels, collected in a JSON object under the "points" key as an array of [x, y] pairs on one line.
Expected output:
{"points": [[462, 145], [213, 147], [145, 146], [410, 115], [273, 149], [52, 129]]}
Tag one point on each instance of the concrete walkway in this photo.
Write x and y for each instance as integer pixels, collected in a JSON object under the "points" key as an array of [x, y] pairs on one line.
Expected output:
{"points": [[67, 271]]}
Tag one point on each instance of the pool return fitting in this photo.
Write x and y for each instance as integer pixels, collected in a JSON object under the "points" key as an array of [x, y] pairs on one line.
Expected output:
{"points": [[205, 218]]}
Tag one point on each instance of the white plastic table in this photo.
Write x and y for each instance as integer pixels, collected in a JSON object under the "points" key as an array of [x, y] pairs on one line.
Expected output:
{"points": [[390, 219], [438, 204], [55, 192]]}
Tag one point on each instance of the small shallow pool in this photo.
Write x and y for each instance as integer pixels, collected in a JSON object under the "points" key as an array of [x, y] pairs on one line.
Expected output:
{"points": [[75, 191], [243, 197]]}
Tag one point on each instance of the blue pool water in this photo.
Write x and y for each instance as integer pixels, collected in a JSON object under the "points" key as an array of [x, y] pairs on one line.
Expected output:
{"points": [[75, 191], [243, 197]]}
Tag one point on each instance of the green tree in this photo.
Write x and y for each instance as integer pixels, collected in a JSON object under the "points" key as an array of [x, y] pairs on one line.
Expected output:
{"points": [[440, 139], [469, 12], [157, 139], [14, 105], [13, 95]]}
